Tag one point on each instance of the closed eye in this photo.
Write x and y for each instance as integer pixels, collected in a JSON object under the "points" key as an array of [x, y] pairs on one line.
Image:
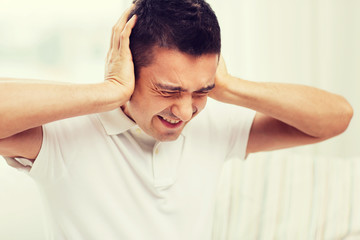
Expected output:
{"points": [[200, 93], [168, 94]]}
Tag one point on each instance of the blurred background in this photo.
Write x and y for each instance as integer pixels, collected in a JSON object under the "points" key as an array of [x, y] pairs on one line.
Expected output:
{"points": [[312, 42]]}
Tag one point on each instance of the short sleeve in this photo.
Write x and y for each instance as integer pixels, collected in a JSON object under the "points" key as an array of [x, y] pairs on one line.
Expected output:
{"points": [[50, 156], [62, 140], [26, 165]]}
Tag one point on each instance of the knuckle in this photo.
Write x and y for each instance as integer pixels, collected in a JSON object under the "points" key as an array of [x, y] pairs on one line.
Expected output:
{"points": [[122, 36], [115, 29]]}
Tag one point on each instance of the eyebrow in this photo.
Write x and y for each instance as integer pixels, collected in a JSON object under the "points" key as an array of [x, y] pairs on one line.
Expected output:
{"points": [[180, 89], [206, 89], [170, 88]]}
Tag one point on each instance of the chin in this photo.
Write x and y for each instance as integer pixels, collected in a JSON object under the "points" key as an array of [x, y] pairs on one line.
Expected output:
{"points": [[167, 137]]}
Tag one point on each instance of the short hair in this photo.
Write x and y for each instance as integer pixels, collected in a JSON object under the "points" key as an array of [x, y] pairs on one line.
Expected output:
{"points": [[189, 26]]}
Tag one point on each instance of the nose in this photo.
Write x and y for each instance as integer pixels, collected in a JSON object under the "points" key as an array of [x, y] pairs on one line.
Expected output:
{"points": [[183, 108]]}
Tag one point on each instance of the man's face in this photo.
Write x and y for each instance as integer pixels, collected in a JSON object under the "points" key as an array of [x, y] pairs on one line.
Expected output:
{"points": [[170, 92]]}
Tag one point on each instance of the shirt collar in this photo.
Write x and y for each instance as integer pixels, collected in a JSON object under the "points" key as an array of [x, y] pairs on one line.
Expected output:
{"points": [[115, 121]]}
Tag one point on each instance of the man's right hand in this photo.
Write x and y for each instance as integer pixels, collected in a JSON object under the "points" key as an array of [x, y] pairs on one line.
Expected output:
{"points": [[119, 67]]}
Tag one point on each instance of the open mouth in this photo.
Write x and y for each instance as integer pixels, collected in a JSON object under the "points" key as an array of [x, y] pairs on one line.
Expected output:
{"points": [[171, 123]]}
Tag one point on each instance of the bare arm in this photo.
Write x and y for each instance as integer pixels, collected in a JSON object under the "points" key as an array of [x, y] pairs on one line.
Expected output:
{"points": [[287, 114], [26, 105]]}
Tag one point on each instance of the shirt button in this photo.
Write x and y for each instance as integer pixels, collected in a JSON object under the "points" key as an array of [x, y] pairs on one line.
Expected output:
{"points": [[156, 151], [138, 131]]}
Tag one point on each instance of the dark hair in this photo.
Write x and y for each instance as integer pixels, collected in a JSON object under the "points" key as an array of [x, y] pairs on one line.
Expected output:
{"points": [[189, 26]]}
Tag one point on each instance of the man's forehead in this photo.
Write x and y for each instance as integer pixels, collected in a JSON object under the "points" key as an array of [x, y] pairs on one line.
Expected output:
{"points": [[177, 71]]}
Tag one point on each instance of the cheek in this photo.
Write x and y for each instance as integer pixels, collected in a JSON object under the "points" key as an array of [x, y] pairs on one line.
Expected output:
{"points": [[200, 103], [150, 106], [141, 98]]}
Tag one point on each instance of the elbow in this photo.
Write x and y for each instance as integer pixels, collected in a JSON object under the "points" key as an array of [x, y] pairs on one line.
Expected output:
{"points": [[347, 115], [341, 120]]}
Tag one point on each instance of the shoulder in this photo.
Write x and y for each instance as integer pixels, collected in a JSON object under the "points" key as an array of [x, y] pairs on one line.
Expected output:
{"points": [[74, 126], [73, 133]]}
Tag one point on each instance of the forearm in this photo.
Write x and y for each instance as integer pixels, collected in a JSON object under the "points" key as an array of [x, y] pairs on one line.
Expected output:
{"points": [[313, 111], [26, 105]]}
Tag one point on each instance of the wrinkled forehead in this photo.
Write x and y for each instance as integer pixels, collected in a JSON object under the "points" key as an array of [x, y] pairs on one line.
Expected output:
{"points": [[175, 68]]}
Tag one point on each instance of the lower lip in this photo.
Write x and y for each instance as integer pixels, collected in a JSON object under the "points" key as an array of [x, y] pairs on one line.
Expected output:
{"points": [[170, 125]]}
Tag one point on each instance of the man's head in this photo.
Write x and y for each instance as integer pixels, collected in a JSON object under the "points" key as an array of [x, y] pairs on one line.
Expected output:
{"points": [[189, 26], [175, 46]]}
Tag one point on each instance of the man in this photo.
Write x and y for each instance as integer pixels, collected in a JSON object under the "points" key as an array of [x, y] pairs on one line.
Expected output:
{"points": [[138, 156]]}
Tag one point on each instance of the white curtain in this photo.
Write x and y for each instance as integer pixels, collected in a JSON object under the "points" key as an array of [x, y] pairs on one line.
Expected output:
{"points": [[308, 192], [312, 42]]}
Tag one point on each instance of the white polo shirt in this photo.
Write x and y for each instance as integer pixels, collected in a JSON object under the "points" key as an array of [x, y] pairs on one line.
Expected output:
{"points": [[103, 178]]}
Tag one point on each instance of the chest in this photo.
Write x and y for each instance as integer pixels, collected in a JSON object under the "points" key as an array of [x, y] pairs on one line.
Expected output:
{"points": [[181, 167]]}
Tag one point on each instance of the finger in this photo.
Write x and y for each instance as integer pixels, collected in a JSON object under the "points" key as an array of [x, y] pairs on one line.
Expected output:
{"points": [[118, 27], [125, 35], [123, 19]]}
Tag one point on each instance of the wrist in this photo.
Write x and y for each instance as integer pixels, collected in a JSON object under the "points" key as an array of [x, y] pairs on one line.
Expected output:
{"points": [[114, 94], [223, 88]]}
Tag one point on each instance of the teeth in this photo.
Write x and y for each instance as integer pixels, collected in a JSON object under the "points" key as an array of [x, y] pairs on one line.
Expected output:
{"points": [[171, 121]]}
